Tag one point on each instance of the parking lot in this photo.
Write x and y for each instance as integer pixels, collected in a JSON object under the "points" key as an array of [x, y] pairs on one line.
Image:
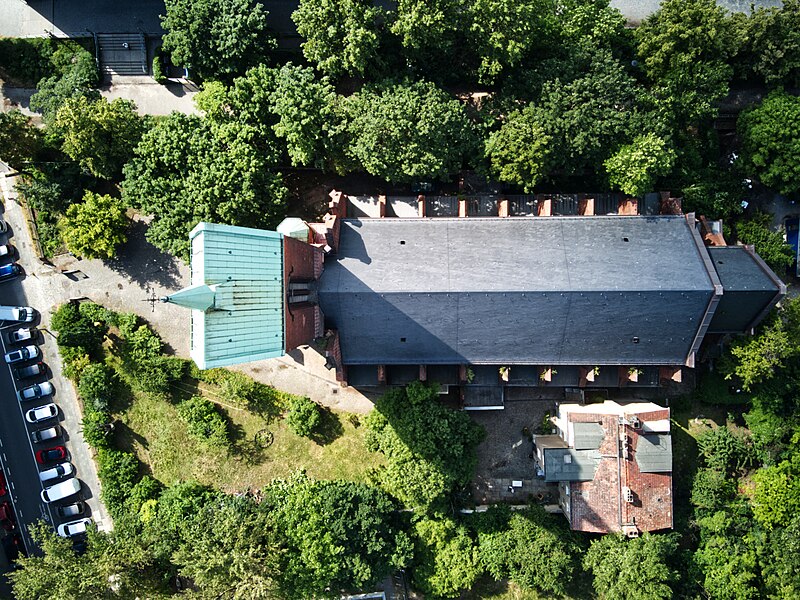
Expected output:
{"points": [[21, 504]]}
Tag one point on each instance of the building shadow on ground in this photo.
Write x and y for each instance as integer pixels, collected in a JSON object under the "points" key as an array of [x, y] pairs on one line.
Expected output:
{"points": [[142, 262]]}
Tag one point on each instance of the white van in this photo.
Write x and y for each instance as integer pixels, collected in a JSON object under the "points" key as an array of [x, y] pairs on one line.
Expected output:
{"points": [[25, 314], [61, 490]]}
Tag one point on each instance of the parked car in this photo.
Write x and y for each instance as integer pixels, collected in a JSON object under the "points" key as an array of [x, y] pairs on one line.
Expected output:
{"points": [[42, 435], [22, 354], [26, 314], [74, 527], [6, 250], [41, 413], [3, 226], [62, 490], [37, 390], [23, 334], [29, 371], [51, 454], [3, 489], [71, 510], [7, 516], [61, 470], [10, 271]]}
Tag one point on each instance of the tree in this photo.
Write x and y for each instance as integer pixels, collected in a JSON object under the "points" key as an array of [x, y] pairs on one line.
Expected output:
{"points": [[77, 77], [217, 39], [771, 44], [187, 169], [635, 167], [506, 32], [119, 472], [99, 135], [445, 557], [771, 142], [335, 535], [424, 26], [636, 569], [526, 547], [303, 106], [304, 416], [519, 152], [776, 495], [593, 23], [769, 244], [408, 132], [228, 550], [341, 36], [112, 566], [96, 227], [684, 47], [97, 385], [19, 139], [423, 462]]}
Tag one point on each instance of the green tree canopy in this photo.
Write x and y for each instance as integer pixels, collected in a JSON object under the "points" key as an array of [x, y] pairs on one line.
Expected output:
{"points": [[19, 139], [335, 535], [506, 32], [636, 569], [408, 132], [519, 152], [770, 135], [341, 36], [635, 167], [776, 495], [228, 550], [217, 39], [96, 227], [684, 47], [187, 169], [769, 244], [526, 547], [76, 77], [429, 25], [423, 462], [99, 135], [446, 558], [771, 43]]}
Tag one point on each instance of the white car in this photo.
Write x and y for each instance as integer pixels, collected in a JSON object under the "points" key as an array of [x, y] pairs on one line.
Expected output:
{"points": [[62, 490], [37, 390], [42, 413], [21, 354], [74, 527], [23, 334], [60, 470]]}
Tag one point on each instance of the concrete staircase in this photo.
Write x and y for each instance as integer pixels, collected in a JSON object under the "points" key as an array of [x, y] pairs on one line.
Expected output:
{"points": [[122, 53]]}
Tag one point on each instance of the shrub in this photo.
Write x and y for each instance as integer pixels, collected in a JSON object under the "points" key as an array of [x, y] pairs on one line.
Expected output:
{"points": [[142, 344], [204, 421], [75, 330], [158, 68], [75, 359], [96, 386], [304, 416], [118, 472], [24, 61], [96, 430]]}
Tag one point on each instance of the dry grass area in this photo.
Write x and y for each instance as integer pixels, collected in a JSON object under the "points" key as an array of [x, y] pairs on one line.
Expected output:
{"points": [[152, 429]]}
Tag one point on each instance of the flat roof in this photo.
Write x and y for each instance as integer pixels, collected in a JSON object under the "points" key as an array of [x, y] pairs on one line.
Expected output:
{"points": [[556, 290]]}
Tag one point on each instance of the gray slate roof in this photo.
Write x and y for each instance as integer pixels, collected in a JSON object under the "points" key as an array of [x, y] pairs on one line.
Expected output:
{"points": [[552, 290], [654, 453], [579, 465], [750, 288], [588, 436]]}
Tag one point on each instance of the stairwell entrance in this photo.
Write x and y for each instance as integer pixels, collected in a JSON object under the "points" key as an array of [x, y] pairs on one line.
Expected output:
{"points": [[122, 53]]}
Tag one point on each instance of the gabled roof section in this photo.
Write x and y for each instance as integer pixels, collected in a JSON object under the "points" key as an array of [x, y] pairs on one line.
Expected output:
{"points": [[588, 436], [243, 269], [557, 290], [567, 464], [751, 289], [654, 453]]}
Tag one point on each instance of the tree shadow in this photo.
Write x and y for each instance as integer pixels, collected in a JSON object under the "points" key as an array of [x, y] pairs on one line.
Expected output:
{"points": [[124, 437], [329, 429], [250, 450], [142, 262]]}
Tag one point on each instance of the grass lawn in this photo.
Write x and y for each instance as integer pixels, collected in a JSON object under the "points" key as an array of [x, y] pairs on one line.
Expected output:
{"points": [[152, 429]]}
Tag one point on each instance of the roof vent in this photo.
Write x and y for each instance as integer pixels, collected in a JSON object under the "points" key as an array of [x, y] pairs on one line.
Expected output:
{"points": [[625, 239], [402, 242], [635, 422], [567, 459], [627, 494]]}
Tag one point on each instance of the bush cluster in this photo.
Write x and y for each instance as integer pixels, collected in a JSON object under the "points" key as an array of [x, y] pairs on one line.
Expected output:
{"points": [[205, 422], [304, 416]]}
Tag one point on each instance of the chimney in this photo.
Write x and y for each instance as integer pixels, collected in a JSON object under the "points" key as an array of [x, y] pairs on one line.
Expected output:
{"points": [[382, 206], [545, 208], [421, 206], [502, 207], [586, 207], [462, 207]]}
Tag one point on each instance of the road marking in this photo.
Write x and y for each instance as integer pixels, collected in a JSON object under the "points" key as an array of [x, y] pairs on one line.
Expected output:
{"points": [[1, 443], [11, 483], [5, 458], [19, 512]]}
